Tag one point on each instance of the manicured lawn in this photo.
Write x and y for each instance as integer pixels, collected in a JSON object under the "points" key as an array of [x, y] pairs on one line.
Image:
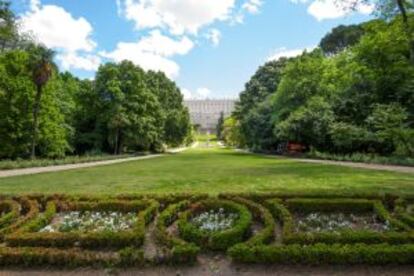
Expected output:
{"points": [[205, 170]]}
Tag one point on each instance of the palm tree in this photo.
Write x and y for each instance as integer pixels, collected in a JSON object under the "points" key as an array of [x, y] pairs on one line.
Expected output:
{"points": [[41, 67]]}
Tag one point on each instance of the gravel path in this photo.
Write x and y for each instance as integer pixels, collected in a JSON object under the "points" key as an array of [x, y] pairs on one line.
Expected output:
{"points": [[25, 171]]}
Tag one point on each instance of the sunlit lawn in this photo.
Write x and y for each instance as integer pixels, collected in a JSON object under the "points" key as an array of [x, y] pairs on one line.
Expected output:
{"points": [[211, 171]]}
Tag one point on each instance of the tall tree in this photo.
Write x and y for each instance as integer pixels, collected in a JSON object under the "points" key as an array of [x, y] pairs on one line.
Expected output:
{"points": [[340, 38], [41, 66], [388, 9]]}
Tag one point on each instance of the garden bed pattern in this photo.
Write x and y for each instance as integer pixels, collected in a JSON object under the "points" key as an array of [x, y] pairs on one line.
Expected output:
{"points": [[63, 230]]}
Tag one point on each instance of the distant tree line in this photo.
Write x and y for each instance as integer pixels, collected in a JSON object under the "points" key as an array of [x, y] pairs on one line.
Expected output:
{"points": [[48, 113], [353, 93]]}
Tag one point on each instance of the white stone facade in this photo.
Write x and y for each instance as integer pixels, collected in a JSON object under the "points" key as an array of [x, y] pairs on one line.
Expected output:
{"points": [[206, 113]]}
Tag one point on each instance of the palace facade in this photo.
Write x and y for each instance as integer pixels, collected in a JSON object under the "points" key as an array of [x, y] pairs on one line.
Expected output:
{"points": [[206, 113]]}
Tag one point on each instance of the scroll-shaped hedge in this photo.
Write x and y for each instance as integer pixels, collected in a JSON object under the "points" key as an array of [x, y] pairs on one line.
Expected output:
{"points": [[259, 212], [180, 251], [29, 210], [28, 236], [290, 236], [11, 210]]}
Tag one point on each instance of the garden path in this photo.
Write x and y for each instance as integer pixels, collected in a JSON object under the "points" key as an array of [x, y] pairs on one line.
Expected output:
{"points": [[35, 170]]}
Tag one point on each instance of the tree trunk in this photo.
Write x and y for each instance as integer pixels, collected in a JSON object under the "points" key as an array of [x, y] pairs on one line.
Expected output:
{"points": [[407, 28], [36, 109]]}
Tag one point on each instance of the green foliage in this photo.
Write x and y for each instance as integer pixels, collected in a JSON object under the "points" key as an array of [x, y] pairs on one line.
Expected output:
{"points": [[340, 38], [253, 113], [308, 124], [25, 246], [325, 254], [231, 132], [220, 126], [217, 240], [354, 95]]}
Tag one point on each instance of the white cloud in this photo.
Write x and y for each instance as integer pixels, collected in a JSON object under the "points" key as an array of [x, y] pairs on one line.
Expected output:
{"points": [[164, 45], [86, 62], [252, 6], [179, 16], [284, 52], [186, 93], [152, 52], [200, 93], [330, 9], [34, 4], [299, 1], [118, 7], [56, 28], [214, 36], [203, 92]]}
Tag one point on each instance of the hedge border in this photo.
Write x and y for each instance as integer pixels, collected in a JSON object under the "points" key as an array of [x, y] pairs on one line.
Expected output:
{"points": [[317, 254], [289, 236], [32, 208], [220, 240], [13, 212], [135, 237], [262, 214], [402, 214], [178, 250]]}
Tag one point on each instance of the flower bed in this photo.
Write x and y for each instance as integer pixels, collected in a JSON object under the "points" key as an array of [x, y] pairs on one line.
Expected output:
{"points": [[337, 222], [88, 221], [215, 220], [233, 231], [88, 230], [42, 232]]}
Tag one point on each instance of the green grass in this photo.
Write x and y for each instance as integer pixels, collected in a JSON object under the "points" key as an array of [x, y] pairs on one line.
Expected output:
{"points": [[207, 170], [27, 163]]}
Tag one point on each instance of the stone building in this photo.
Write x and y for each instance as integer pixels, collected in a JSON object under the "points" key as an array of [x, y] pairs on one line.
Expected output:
{"points": [[206, 113]]}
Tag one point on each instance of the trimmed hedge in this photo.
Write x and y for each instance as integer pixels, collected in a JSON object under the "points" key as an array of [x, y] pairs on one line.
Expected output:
{"points": [[69, 258], [24, 216], [260, 213], [105, 239], [290, 236], [402, 214], [178, 250], [219, 240], [379, 254], [29, 210], [11, 209]]}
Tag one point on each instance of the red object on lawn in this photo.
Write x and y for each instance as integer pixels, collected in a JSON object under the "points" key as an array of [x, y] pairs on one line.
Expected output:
{"points": [[293, 147]]}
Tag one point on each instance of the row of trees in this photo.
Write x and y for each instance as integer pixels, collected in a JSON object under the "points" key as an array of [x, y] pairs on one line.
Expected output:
{"points": [[44, 112], [354, 93]]}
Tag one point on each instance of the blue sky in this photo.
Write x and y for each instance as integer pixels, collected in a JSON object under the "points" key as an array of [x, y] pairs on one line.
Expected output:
{"points": [[209, 47]]}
